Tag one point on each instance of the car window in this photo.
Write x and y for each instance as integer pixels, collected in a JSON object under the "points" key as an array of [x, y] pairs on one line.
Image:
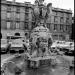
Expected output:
{"points": [[17, 41]]}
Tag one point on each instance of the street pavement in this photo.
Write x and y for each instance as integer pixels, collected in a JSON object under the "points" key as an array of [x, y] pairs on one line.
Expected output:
{"points": [[61, 69]]}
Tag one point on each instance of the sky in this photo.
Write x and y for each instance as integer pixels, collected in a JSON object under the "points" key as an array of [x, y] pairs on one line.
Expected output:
{"points": [[64, 4]]}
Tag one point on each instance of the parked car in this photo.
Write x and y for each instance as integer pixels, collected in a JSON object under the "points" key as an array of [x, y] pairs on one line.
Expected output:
{"points": [[71, 45], [70, 59], [11, 38], [68, 47], [70, 53], [17, 46], [4, 46]]}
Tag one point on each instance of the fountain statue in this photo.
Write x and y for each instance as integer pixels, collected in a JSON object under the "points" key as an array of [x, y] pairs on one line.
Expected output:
{"points": [[40, 32], [40, 53], [40, 11]]}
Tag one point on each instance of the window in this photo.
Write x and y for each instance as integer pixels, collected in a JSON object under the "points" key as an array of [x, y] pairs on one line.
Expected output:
{"points": [[17, 25], [17, 15], [27, 9], [8, 15], [48, 25], [8, 25], [8, 9], [17, 9], [26, 14], [62, 37], [67, 20], [55, 19], [61, 20], [55, 26], [67, 15], [62, 14], [26, 17], [67, 27], [55, 37], [26, 25], [33, 25], [54, 13], [61, 27]]}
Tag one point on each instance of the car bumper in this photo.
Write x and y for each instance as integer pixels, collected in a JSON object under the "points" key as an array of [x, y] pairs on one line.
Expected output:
{"points": [[16, 48]]}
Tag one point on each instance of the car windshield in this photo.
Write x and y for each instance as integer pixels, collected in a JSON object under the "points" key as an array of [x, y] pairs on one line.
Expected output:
{"points": [[15, 37], [17, 41]]}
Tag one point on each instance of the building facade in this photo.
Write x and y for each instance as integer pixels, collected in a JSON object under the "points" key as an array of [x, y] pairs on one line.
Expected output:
{"points": [[60, 23], [15, 18], [18, 18]]}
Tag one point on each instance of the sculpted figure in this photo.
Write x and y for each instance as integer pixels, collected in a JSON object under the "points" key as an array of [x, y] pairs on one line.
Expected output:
{"points": [[41, 12]]}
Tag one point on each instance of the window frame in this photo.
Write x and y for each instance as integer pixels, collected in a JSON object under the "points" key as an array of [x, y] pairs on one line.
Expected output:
{"points": [[61, 27], [17, 25], [55, 27], [8, 15], [8, 25]]}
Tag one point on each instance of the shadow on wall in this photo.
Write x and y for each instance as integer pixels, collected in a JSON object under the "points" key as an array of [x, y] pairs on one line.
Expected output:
{"points": [[0, 35]]}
